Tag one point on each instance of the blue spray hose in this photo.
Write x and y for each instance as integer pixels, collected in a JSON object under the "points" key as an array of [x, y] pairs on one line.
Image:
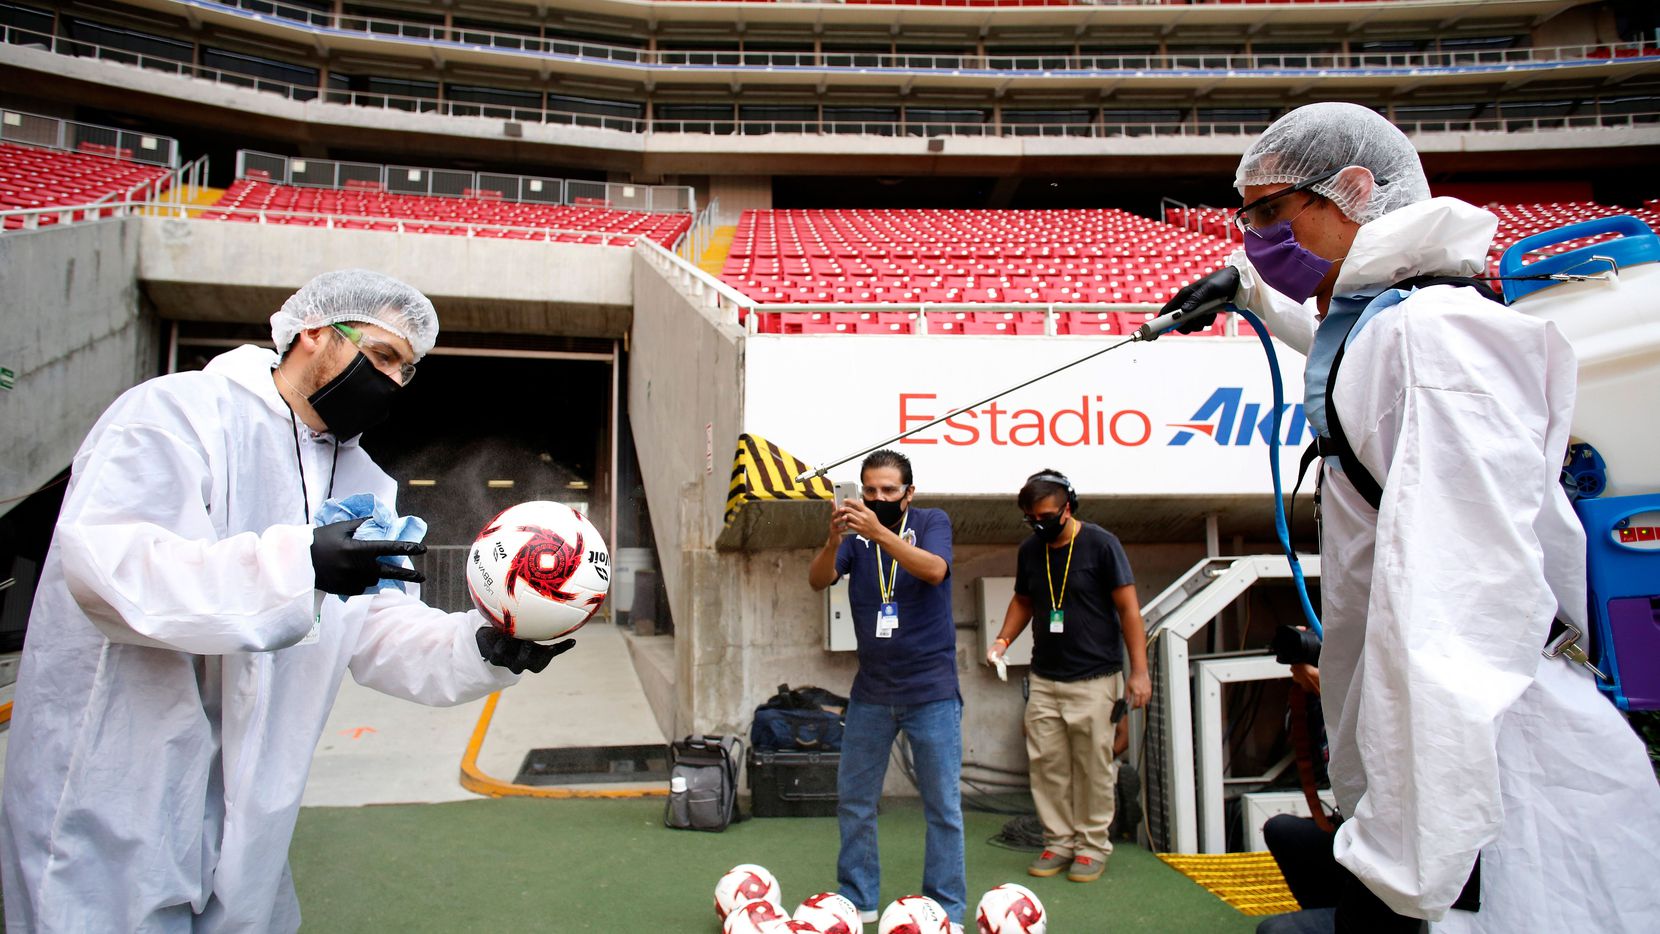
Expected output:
{"points": [[1280, 526]]}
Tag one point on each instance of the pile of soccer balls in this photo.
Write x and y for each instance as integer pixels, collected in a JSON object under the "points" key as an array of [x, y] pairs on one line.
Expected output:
{"points": [[748, 901]]}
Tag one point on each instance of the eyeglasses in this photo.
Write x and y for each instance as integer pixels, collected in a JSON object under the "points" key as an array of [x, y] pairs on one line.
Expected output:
{"points": [[1262, 212], [1035, 521], [383, 355]]}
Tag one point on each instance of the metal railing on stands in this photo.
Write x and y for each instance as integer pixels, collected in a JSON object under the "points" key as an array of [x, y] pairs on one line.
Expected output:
{"points": [[692, 244], [62, 215], [729, 306], [918, 126], [412, 180], [30, 129], [1059, 61]]}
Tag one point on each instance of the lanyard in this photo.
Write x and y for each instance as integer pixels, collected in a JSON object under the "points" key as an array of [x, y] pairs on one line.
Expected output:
{"points": [[305, 502], [886, 585], [1049, 574]]}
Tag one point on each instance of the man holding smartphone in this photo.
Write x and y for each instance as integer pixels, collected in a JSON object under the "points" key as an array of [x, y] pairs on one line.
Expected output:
{"points": [[1073, 578], [898, 563]]}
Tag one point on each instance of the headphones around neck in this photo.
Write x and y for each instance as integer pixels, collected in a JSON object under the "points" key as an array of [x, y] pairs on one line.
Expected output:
{"points": [[1060, 479]]}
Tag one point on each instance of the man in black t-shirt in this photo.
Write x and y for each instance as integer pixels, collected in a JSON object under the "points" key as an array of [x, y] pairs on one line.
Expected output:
{"points": [[1074, 580]]}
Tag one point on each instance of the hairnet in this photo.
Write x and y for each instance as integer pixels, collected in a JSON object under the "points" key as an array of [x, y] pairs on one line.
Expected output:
{"points": [[1315, 139], [358, 295]]}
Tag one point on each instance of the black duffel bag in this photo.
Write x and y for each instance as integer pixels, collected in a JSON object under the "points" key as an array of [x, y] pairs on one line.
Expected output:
{"points": [[805, 718]]}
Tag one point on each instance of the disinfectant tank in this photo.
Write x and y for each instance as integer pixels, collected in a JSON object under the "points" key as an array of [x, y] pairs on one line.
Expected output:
{"points": [[1614, 326]]}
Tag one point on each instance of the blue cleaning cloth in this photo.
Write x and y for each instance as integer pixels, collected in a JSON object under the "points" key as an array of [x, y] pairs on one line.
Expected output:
{"points": [[383, 525]]}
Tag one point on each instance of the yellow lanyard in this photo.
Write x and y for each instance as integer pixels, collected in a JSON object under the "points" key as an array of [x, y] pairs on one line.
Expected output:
{"points": [[885, 586], [1049, 574]]}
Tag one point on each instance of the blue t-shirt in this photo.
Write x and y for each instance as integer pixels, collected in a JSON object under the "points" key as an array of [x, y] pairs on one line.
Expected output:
{"points": [[918, 663]]}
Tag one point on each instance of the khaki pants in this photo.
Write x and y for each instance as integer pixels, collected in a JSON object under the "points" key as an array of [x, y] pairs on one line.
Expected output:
{"points": [[1069, 732]]}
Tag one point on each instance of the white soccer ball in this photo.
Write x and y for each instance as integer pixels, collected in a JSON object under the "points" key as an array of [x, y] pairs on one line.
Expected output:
{"points": [[1011, 909], [914, 914], [756, 916], [744, 883], [802, 927], [830, 913], [539, 571]]}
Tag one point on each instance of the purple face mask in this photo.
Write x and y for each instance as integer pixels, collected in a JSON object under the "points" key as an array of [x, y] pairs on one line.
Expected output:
{"points": [[1283, 263]]}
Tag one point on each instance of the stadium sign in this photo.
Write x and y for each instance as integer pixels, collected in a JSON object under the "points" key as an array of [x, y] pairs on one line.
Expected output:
{"points": [[1180, 416]]}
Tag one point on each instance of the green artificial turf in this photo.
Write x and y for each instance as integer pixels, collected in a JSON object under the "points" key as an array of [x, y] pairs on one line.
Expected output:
{"points": [[610, 865]]}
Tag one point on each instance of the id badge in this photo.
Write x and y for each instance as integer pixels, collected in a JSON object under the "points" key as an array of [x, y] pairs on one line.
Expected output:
{"points": [[887, 620], [1057, 620]]}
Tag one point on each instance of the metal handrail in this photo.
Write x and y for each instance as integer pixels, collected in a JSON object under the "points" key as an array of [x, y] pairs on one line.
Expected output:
{"points": [[30, 129], [476, 39], [919, 127], [420, 180], [101, 210]]}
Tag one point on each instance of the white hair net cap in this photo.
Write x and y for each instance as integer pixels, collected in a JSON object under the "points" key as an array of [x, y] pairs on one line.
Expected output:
{"points": [[1315, 139], [358, 295]]}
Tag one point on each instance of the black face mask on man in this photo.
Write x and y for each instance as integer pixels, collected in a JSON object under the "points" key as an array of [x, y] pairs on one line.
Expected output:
{"points": [[358, 399], [888, 511], [1050, 529]]}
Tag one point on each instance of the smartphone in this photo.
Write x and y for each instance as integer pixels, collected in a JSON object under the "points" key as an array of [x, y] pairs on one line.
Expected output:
{"points": [[846, 489]]}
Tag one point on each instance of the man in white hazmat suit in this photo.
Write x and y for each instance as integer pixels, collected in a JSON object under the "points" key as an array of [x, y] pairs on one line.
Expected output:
{"points": [[1451, 735], [182, 656]]}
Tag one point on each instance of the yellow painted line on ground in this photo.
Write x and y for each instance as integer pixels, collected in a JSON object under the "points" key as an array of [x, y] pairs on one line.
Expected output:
{"points": [[6, 712], [1250, 882], [473, 778]]}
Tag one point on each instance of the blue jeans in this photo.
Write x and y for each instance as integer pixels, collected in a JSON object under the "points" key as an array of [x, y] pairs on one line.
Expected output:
{"points": [[935, 731]]}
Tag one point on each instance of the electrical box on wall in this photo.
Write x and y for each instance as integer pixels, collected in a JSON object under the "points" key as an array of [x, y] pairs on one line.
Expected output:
{"points": [[991, 597], [838, 619]]}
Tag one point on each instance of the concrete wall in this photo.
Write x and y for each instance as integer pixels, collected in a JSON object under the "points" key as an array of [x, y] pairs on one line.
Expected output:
{"points": [[739, 193], [77, 333], [216, 271], [685, 377]]}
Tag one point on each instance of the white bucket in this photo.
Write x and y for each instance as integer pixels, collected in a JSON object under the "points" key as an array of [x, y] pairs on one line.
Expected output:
{"points": [[1614, 327]]}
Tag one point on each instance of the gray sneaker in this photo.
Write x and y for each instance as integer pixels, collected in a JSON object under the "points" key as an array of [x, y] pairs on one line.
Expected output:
{"points": [[1086, 869], [1048, 863]]}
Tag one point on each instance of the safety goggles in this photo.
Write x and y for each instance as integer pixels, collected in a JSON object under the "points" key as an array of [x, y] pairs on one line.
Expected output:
{"points": [[1263, 211], [382, 354]]}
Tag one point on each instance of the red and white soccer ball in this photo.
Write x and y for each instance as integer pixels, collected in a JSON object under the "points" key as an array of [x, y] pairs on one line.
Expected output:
{"points": [[756, 916], [746, 882], [830, 913], [802, 927], [914, 914], [539, 571], [1011, 909]]}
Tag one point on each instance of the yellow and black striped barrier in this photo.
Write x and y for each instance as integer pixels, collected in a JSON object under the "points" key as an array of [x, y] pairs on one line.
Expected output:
{"points": [[762, 470]]}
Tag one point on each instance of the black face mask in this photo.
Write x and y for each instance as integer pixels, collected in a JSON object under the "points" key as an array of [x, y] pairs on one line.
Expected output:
{"points": [[358, 399], [1048, 530], [888, 511]]}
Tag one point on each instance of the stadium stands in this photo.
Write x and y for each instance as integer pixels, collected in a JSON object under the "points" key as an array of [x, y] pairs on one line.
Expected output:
{"points": [[32, 177], [951, 256], [1054, 258], [483, 214]]}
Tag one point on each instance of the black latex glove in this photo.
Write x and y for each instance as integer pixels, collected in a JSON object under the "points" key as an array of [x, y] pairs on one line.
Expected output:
{"points": [[1220, 285], [517, 655], [348, 567]]}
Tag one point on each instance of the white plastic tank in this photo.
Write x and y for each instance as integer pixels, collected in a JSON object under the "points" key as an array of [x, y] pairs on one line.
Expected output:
{"points": [[1614, 326]]}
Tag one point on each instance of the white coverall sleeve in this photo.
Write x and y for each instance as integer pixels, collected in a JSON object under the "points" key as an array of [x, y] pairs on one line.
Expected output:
{"points": [[1292, 323], [1459, 605], [410, 650], [143, 560]]}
